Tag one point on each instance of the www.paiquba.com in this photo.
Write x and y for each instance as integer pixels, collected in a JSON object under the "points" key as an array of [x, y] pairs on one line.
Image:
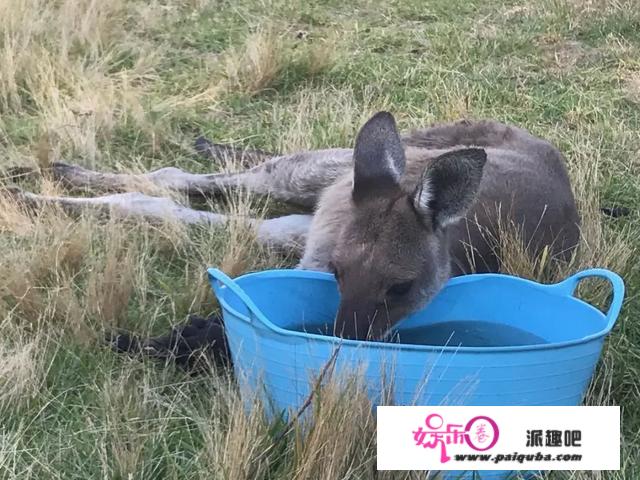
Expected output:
{"points": [[520, 458]]}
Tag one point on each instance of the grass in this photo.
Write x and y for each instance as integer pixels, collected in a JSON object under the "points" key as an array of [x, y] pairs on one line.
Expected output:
{"points": [[127, 85]]}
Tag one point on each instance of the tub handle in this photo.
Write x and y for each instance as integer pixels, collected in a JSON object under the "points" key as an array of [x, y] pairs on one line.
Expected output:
{"points": [[218, 279], [568, 287]]}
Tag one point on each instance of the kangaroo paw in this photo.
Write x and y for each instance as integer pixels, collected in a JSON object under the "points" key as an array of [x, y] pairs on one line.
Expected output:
{"points": [[123, 342], [76, 177], [20, 173], [194, 346], [26, 200]]}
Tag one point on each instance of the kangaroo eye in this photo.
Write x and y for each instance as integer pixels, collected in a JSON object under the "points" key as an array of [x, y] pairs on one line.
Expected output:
{"points": [[400, 288]]}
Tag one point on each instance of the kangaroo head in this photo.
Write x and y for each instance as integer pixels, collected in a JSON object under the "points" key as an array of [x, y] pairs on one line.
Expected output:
{"points": [[392, 253]]}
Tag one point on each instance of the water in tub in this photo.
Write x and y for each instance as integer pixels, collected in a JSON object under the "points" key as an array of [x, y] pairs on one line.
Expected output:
{"points": [[454, 333]]}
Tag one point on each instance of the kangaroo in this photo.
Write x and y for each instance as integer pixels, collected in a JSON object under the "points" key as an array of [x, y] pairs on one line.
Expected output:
{"points": [[393, 218]]}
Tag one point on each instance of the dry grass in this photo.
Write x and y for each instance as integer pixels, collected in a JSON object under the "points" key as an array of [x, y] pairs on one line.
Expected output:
{"points": [[23, 366], [258, 64], [576, 12], [110, 288], [343, 401], [563, 55], [266, 55], [38, 272], [59, 64], [632, 86], [324, 118]]}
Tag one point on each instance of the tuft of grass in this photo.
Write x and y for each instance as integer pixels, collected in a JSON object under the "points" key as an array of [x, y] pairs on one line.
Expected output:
{"points": [[72, 68], [632, 86], [269, 55], [257, 65], [324, 118], [23, 369]]}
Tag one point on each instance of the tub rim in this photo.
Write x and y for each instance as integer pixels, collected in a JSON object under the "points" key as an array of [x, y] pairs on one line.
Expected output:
{"points": [[564, 288]]}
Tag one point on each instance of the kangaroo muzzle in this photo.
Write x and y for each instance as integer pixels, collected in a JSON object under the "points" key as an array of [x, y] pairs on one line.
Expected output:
{"points": [[358, 321]]}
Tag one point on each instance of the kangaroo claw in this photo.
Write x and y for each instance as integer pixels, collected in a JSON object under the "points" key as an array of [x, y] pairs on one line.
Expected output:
{"points": [[26, 200], [20, 173]]}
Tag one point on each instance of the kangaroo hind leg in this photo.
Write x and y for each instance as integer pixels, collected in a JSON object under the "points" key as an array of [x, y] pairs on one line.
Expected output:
{"points": [[287, 234], [298, 179]]}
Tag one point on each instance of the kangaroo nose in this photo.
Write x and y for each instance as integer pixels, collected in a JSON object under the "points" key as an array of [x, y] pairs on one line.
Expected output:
{"points": [[357, 322]]}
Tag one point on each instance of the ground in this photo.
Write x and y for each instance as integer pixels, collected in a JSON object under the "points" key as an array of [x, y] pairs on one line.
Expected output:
{"points": [[128, 85]]}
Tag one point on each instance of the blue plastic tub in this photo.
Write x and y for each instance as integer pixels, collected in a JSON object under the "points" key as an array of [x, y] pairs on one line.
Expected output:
{"points": [[269, 317]]}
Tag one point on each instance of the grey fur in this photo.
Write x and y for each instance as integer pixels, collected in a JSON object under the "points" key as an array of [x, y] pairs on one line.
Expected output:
{"points": [[428, 213]]}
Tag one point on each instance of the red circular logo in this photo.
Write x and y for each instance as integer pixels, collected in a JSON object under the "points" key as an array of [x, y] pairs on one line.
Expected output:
{"points": [[486, 431]]}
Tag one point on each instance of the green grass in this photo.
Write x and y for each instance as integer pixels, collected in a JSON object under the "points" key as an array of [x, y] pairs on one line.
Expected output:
{"points": [[129, 87]]}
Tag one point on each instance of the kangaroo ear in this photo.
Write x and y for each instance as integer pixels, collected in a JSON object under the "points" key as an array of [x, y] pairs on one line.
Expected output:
{"points": [[449, 185], [379, 157]]}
